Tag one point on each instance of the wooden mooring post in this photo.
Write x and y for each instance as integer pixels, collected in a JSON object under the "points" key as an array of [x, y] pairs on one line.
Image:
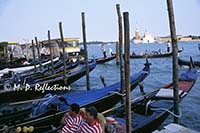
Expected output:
{"points": [[33, 50], [127, 70], [64, 54], [50, 47], [85, 50], [117, 53], [120, 37], [38, 51], [175, 59]]}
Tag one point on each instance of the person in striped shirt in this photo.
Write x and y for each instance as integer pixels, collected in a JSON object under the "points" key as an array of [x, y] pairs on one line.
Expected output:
{"points": [[91, 124], [72, 120]]}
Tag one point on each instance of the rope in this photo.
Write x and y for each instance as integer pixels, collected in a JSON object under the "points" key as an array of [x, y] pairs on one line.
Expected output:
{"points": [[115, 92], [178, 116]]}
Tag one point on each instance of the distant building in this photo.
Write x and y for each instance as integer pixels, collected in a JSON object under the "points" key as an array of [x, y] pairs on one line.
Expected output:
{"points": [[185, 39], [165, 39], [137, 34], [179, 37], [148, 38], [137, 38]]}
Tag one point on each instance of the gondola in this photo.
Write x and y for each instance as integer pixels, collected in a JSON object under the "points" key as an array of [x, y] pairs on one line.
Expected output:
{"points": [[34, 89], [154, 55], [19, 63], [102, 99], [187, 63], [26, 68], [31, 76], [150, 110], [102, 60], [45, 70]]}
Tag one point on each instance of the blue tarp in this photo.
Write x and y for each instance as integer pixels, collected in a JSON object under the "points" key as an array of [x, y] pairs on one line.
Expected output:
{"points": [[189, 75], [81, 98]]}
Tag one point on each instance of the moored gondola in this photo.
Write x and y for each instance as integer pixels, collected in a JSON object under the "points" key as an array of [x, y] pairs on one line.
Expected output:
{"points": [[187, 63], [32, 89], [102, 99], [150, 110], [26, 68], [21, 63]]}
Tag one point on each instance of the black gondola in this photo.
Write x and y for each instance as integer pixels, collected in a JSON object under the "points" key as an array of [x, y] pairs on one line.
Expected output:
{"points": [[25, 68], [102, 60], [187, 63], [33, 90], [102, 99], [154, 55], [150, 110], [44, 71], [20, 63]]}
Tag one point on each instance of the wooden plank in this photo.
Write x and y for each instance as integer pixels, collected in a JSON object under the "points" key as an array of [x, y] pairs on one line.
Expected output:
{"points": [[175, 128]]}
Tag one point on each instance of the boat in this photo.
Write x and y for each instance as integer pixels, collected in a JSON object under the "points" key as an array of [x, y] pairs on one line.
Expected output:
{"points": [[102, 60], [25, 68], [187, 63], [154, 55], [46, 71], [21, 62], [102, 99], [28, 88], [148, 111]]}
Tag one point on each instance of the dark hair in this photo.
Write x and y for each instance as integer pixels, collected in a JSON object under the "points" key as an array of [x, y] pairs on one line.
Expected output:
{"points": [[93, 111], [75, 108]]}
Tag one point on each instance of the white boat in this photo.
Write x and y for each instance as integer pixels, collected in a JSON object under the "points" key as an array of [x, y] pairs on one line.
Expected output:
{"points": [[25, 68]]}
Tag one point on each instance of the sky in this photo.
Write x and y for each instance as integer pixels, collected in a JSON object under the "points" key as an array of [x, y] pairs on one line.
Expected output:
{"points": [[22, 20]]}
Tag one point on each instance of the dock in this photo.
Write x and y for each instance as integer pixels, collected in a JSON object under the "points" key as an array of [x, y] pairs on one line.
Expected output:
{"points": [[175, 128]]}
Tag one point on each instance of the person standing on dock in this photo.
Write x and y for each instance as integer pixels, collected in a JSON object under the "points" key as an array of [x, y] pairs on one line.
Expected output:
{"points": [[103, 50], [72, 120], [168, 47]]}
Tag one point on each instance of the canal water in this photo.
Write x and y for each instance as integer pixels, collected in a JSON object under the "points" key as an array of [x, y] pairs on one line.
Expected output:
{"points": [[161, 73]]}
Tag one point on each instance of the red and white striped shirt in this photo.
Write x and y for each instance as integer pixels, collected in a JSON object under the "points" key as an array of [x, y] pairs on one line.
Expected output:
{"points": [[94, 128], [72, 124]]}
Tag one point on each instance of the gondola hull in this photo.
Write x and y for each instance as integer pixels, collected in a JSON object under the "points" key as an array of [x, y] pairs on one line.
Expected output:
{"points": [[25, 67], [105, 59], [187, 63], [149, 111], [155, 55], [36, 90], [102, 99], [152, 56]]}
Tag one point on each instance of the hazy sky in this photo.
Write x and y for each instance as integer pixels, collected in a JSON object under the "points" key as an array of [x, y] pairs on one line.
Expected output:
{"points": [[24, 19]]}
